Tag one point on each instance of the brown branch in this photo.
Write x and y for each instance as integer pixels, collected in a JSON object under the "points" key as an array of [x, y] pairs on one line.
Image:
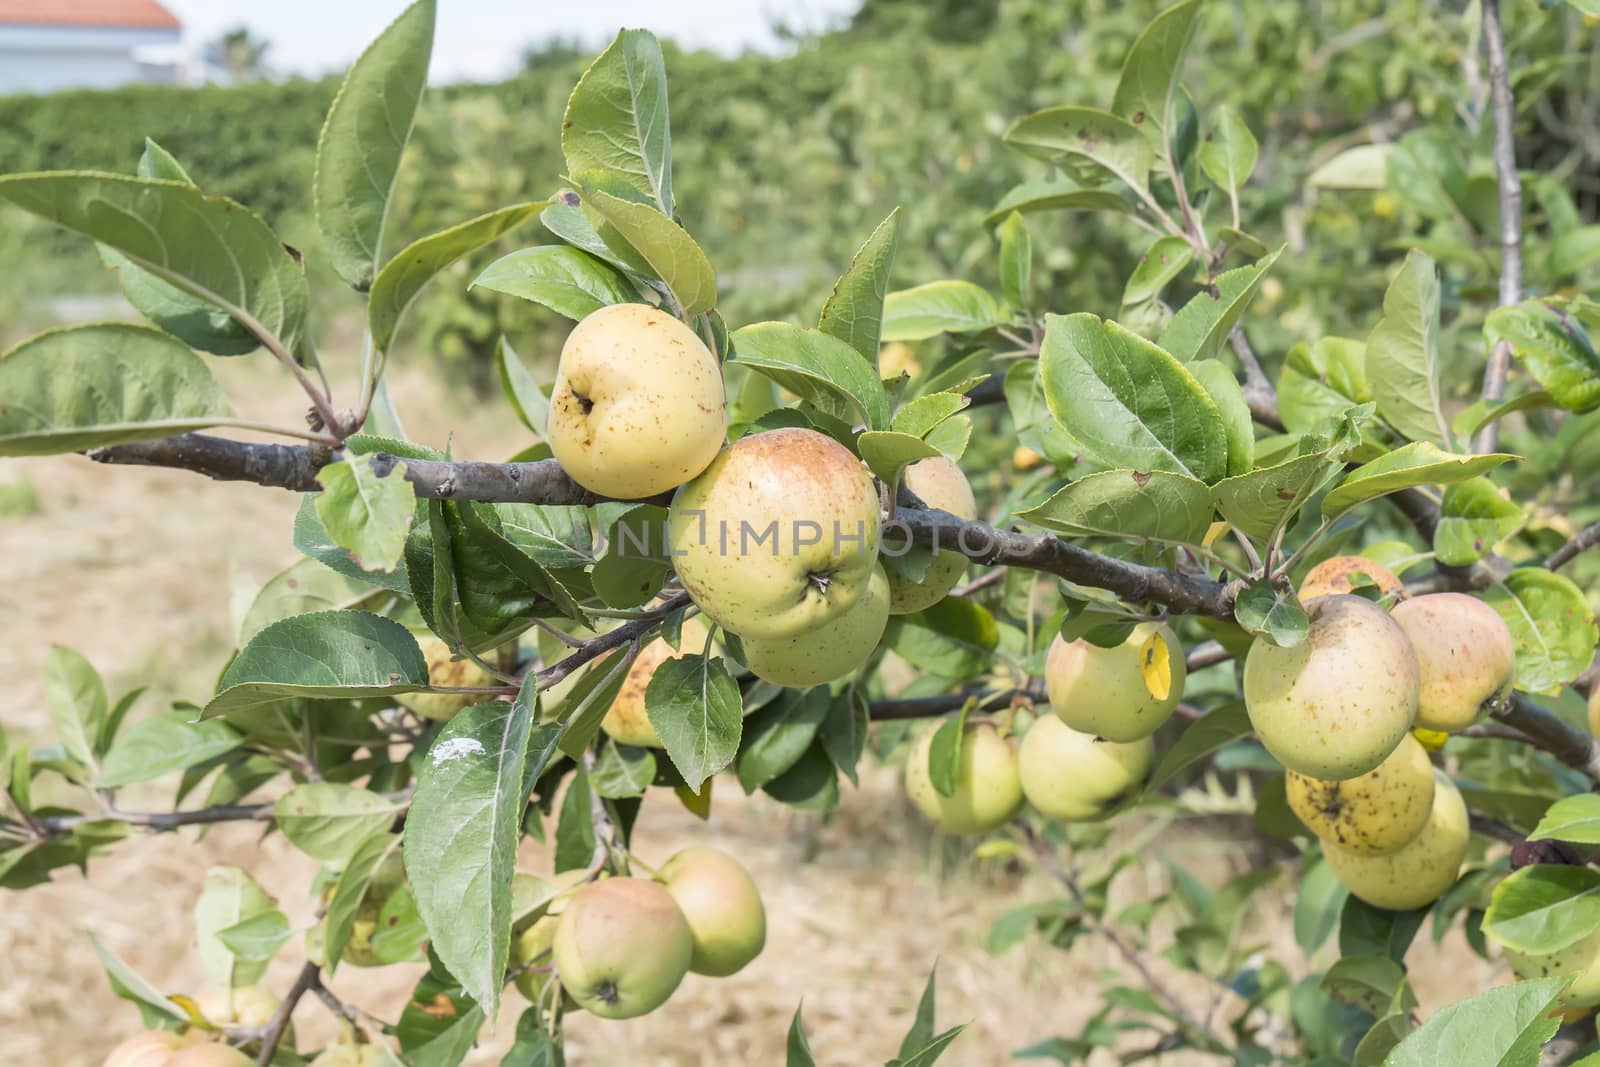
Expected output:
{"points": [[1574, 747], [273, 1033], [159, 821], [1259, 394], [1586, 538], [889, 710], [598, 646], [1206, 654], [1510, 187]]}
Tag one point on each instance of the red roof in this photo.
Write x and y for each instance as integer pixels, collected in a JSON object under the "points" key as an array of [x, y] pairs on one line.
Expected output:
{"points": [[122, 14]]}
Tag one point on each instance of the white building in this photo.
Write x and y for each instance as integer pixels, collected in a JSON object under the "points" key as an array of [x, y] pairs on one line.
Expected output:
{"points": [[47, 45]]}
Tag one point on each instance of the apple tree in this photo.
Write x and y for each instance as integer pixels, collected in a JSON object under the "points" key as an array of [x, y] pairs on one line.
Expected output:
{"points": [[1089, 573]]}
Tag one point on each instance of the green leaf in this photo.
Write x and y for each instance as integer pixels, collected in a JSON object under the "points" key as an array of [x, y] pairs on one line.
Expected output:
{"points": [[1403, 354], [1162, 262], [350, 890], [926, 413], [1373, 983], [1151, 71], [1158, 506], [812, 784], [664, 249], [1016, 260], [616, 119], [363, 138], [635, 564], [854, 310], [326, 655], [1545, 907], [417, 264], [1062, 134], [1554, 347], [313, 541], [85, 387], [1321, 382], [527, 399], [1419, 463], [1317, 905], [1365, 929], [461, 840], [230, 896], [798, 1048], [328, 820], [1237, 424], [76, 698], [1200, 739], [164, 743], [1228, 153], [130, 985], [1362, 167], [208, 246], [936, 308], [888, 451], [258, 938], [1473, 518], [779, 735], [695, 707], [366, 514], [1551, 623], [1504, 1027], [1058, 194], [1575, 819], [575, 831], [844, 733], [623, 771], [304, 586], [1129, 402], [1269, 612], [818, 368], [566, 280], [921, 1031], [1201, 327]]}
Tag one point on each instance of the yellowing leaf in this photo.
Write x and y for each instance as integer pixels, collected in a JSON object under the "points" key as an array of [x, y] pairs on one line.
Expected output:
{"points": [[998, 848], [1217, 530], [1156, 666], [698, 803], [1432, 740]]}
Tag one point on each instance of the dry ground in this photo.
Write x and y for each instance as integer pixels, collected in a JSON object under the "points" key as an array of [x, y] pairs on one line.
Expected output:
{"points": [[135, 567]]}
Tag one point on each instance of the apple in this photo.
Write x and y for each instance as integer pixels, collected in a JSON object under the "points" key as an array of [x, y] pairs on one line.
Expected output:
{"points": [[1102, 691], [210, 1056], [621, 947], [1073, 776], [626, 720], [445, 669], [1594, 708], [532, 947], [1337, 704], [1579, 961], [897, 358], [1374, 814], [779, 535], [246, 1006], [1421, 870], [988, 784], [830, 651], [150, 1049], [720, 902], [349, 1054], [941, 485], [638, 406], [1467, 655], [1338, 574]]}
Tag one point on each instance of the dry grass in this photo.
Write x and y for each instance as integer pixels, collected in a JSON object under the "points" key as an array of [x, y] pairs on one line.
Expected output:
{"points": [[134, 567]]}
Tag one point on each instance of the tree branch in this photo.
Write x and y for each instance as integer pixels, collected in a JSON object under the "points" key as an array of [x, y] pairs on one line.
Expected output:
{"points": [[1510, 187], [890, 710], [1574, 747], [273, 1034], [598, 646], [1586, 538], [159, 821], [1259, 394]]}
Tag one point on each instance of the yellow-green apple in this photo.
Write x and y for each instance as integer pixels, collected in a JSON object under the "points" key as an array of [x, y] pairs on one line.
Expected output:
{"points": [[941, 485], [722, 906], [1335, 705], [1375, 813], [1073, 776], [621, 947], [638, 406], [210, 1056], [150, 1049], [1594, 708], [830, 651], [779, 535], [1105, 692], [349, 1054], [988, 784], [1338, 574], [246, 1006], [445, 670], [1467, 655], [1422, 869], [1579, 961], [626, 720]]}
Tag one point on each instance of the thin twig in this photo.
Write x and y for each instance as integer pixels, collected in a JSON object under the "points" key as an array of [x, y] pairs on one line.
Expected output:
{"points": [[280, 1021], [1586, 538], [1510, 187], [603, 643]]}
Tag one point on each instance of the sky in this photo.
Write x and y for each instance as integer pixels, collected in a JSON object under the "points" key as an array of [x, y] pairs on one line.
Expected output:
{"points": [[481, 40]]}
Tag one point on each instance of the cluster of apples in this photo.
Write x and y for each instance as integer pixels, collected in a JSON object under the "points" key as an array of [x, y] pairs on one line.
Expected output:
{"points": [[1076, 764], [619, 947], [248, 1006]]}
